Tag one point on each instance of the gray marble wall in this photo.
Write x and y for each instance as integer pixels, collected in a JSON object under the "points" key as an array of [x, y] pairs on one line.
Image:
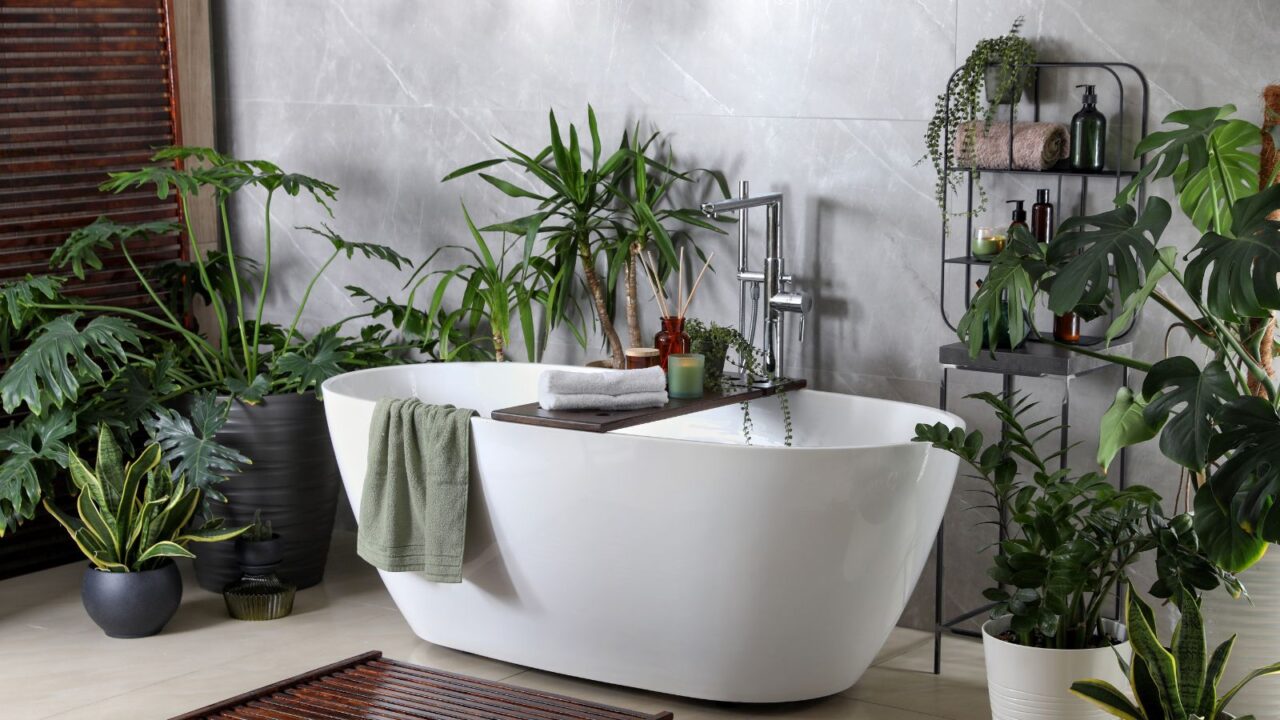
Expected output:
{"points": [[826, 101]]}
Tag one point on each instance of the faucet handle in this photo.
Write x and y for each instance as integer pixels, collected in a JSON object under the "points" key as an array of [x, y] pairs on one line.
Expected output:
{"points": [[802, 316], [793, 302]]}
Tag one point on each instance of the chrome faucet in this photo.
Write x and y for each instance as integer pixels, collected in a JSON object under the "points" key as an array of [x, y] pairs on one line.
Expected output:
{"points": [[779, 297]]}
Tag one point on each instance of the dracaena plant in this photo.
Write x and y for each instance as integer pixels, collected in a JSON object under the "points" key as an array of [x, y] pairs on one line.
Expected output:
{"points": [[135, 516], [589, 206], [1216, 412], [1178, 681], [1069, 539]]}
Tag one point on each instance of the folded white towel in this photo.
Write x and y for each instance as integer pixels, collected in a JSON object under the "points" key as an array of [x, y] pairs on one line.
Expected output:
{"points": [[589, 401], [608, 382]]}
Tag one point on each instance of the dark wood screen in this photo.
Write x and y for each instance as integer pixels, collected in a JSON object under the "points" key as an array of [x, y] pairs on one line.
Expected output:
{"points": [[86, 87]]}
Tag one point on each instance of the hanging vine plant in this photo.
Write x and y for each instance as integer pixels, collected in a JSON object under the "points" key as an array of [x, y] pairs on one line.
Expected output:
{"points": [[1002, 67]]}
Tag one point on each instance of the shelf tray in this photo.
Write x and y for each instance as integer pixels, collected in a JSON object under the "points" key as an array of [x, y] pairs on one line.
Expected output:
{"points": [[600, 421], [1034, 359], [1055, 170]]}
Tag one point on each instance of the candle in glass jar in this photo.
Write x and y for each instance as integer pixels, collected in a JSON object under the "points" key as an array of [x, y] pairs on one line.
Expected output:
{"points": [[987, 242], [684, 375]]}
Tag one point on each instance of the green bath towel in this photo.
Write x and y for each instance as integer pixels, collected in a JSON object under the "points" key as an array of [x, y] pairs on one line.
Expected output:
{"points": [[413, 514]]}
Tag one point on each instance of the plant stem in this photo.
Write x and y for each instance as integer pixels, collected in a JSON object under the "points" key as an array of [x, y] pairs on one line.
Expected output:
{"points": [[235, 279], [629, 281], [252, 354], [306, 294], [219, 310], [597, 295]]}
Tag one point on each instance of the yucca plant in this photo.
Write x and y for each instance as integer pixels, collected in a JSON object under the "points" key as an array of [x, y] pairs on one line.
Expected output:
{"points": [[132, 517], [1177, 682]]}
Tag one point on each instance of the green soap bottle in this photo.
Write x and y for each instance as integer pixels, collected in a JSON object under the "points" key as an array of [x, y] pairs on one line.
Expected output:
{"points": [[1088, 134]]}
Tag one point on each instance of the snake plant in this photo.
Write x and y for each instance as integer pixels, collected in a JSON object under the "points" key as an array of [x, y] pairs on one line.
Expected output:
{"points": [[1179, 682], [133, 516]]}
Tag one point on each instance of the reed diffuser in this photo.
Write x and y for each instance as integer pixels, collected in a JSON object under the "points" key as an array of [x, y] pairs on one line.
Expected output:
{"points": [[672, 339]]}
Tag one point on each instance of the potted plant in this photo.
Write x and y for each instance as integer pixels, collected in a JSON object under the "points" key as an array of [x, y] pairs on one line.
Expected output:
{"points": [[1003, 66], [133, 519], [1067, 543], [591, 206], [259, 594], [713, 341], [1216, 414], [1174, 682], [270, 372]]}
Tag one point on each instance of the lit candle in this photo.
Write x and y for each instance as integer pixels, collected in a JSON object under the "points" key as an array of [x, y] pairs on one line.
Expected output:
{"points": [[684, 375], [987, 242]]}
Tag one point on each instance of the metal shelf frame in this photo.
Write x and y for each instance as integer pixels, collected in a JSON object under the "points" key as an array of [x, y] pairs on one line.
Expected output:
{"points": [[1036, 359]]}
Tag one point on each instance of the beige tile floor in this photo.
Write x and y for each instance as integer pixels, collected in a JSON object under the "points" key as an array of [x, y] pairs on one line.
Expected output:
{"points": [[54, 663]]}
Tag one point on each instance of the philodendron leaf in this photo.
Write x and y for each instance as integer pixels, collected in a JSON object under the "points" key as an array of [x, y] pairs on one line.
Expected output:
{"points": [[17, 297], [81, 248], [63, 356], [37, 440], [320, 359], [249, 392], [371, 251], [1177, 386], [1123, 425], [1090, 250], [190, 445], [1241, 268]]}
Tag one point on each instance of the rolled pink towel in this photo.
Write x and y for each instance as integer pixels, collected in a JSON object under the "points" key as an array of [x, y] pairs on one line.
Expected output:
{"points": [[1036, 145]]}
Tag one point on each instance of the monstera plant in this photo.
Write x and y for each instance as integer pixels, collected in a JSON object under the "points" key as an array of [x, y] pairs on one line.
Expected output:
{"points": [[1216, 411]]}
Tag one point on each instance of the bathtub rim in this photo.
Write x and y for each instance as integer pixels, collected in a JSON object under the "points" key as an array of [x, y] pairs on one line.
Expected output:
{"points": [[328, 387]]}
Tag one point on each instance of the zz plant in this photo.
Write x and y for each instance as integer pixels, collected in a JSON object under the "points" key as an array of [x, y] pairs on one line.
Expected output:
{"points": [[1068, 539], [135, 516], [1216, 417], [1174, 682]]}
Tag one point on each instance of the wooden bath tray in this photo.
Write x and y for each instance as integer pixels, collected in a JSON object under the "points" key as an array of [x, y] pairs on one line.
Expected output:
{"points": [[606, 420], [369, 686]]}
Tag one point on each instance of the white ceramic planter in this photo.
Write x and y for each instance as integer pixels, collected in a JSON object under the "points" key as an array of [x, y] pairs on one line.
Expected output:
{"points": [[1027, 683], [1256, 623]]}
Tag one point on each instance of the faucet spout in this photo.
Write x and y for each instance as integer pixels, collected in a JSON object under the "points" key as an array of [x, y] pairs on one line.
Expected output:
{"points": [[712, 209]]}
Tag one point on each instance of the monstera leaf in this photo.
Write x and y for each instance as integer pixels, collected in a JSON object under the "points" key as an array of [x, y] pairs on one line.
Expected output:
{"points": [[1247, 483], [1241, 266], [52, 368], [1205, 159], [1123, 425], [1187, 400], [1134, 303], [996, 312], [1090, 249]]}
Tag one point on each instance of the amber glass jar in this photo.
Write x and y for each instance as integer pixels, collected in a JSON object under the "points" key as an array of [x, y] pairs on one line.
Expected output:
{"points": [[1066, 328], [671, 339], [641, 358]]}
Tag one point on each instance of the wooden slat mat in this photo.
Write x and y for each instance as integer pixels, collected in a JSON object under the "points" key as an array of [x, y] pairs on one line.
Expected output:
{"points": [[370, 687]]}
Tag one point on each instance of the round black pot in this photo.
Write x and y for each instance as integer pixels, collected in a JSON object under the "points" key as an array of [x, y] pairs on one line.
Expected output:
{"points": [[132, 604], [293, 481], [259, 557]]}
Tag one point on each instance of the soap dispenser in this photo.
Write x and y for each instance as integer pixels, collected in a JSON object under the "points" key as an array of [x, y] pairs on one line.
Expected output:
{"points": [[1042, 217], [1088, 134], [1019, 217]]}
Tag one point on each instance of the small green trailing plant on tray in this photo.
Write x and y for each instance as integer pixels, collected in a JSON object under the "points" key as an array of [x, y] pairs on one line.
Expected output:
{"points": [[136, 516], [714, 342], [1174, 682], [1068, 539]]}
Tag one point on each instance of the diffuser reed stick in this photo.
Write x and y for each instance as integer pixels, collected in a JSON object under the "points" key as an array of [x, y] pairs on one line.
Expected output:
{"points": [[685, 308], [680, 285], [652, 276]]}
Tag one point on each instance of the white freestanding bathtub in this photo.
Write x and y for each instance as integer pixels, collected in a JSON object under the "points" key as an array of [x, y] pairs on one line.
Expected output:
{"points": [[671, 556]]}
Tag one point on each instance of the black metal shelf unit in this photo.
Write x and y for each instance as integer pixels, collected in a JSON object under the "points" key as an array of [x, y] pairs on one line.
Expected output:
{"points": [[1035, 358]]}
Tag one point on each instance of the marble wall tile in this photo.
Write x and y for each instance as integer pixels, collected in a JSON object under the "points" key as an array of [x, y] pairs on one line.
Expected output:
{"points": [[825, 101]]}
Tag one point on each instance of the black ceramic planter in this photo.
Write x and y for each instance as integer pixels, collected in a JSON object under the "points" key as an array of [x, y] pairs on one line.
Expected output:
{"points": [[133, 604], [259, 557], [293, 480]]}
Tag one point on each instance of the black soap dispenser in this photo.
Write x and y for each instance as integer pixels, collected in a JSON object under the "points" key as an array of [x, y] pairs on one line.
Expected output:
{"points": [[1019, 218], [1088, 134]]}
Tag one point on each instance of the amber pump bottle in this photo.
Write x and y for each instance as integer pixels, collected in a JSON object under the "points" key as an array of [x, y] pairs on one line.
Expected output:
{"points": [[1042, 217]]}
